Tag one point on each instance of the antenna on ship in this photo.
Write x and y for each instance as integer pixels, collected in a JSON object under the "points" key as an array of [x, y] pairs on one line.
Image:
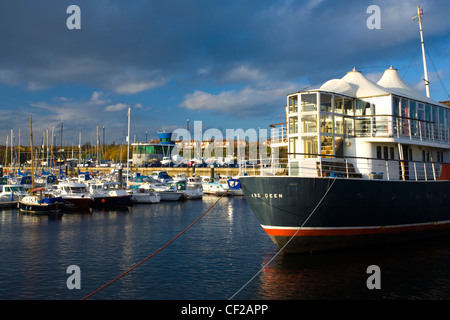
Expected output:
{"points": [[427, 83]]}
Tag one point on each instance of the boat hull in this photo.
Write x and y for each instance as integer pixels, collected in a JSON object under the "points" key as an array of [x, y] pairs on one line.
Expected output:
{"points": [[104, 202], [323, 213], [170, 196], [145, 198], [79, 202], [43, 209]]}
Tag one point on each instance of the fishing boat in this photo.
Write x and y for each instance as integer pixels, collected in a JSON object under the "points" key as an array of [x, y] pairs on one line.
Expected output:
{"points": [[10, 194], [368, 164], [39, 200], [75, 194], [213, 186], [168, 192], [191, 187], [108, 194], [144, 194]]}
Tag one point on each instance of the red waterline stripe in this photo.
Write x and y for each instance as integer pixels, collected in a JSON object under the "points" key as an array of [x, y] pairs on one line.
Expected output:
{"points": [[289, 231]]}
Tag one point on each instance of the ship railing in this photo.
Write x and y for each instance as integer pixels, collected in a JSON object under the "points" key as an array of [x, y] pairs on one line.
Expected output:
{"points": [[315, 165], [278, 134], [400, 127]]}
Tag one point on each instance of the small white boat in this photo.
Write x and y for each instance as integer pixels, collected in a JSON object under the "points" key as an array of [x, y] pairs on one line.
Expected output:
{"points": [[191, 187], [10, 195], [234, 186], [144, 194]]}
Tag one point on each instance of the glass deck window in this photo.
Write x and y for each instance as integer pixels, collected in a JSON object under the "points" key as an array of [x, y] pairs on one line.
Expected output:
{"points": [[326, 102], [309, 102]]}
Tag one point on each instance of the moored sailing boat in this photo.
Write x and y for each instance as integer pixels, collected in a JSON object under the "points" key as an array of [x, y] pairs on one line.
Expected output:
{"points": [[39, 201]]}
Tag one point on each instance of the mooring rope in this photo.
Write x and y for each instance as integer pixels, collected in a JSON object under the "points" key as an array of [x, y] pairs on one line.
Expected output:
{"points": [[282, 248], [169, 242]]}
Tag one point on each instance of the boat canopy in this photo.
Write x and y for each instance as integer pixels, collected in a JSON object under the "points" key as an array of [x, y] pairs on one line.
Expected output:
{"points": [[395, 84], [354, 84]]}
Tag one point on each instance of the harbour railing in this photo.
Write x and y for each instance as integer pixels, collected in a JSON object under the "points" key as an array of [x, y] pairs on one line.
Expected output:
{"points": [[347, 167]]}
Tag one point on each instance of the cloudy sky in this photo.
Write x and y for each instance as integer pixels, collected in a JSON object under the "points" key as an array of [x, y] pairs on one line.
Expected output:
{"points": [[228, 64]]}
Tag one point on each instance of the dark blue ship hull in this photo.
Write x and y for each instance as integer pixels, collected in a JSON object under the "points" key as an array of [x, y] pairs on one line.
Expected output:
{"points": [[326, 213]]}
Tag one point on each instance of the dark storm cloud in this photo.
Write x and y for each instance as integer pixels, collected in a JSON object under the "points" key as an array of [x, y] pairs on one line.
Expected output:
{"points": [[135, 46], [224, 58]]}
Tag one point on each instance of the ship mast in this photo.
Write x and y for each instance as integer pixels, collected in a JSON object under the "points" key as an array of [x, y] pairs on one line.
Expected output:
{"points": [[427, 83]]}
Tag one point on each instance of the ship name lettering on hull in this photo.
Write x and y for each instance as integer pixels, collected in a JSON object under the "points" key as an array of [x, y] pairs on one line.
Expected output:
{"points": [[267, 195]]}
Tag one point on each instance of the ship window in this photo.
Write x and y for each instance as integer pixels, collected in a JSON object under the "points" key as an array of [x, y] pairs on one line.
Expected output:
{"points": [[325, 103], [378, 152], [309, 102], [348, 106], [362, 108], [391, 149], [326, 123], [395, 106], [309, 123], [385, 153], [293, 125], [338, 104], [310, 146], [349, 127], [338, 125], [423, 155], [441, 124], [293, 145], [293, 104]]}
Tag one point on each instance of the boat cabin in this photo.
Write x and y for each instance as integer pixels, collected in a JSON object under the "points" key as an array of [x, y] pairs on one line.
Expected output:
{"points": [[355, 128]]}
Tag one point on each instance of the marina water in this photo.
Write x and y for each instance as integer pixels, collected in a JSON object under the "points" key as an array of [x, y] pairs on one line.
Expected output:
{"points": [[213, 260]]}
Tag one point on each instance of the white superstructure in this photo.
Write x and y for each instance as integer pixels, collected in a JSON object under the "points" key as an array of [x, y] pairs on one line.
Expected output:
{"points": [[367, 128]]}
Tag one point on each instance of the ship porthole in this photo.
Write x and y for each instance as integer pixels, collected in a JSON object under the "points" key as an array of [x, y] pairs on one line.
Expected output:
{"points": [[359, 195], [393, 196]]}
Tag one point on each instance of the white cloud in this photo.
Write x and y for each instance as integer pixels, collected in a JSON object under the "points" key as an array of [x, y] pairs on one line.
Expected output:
{"points": [[135, 87], [244, 73], [117, 107], [97, 98], [240, 102]]}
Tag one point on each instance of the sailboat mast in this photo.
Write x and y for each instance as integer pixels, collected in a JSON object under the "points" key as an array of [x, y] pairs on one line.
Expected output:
{"points": [[128, 146], [79, 148], [18, 160], [31, 146], [427, 83], [12, 151]]}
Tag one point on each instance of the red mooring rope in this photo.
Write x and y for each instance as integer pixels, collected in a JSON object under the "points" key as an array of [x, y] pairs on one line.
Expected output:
{"points": [[173, 239]]}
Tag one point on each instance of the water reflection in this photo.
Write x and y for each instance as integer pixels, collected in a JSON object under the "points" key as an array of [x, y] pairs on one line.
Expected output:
{"points": [[413, 270], [212, 260]]}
